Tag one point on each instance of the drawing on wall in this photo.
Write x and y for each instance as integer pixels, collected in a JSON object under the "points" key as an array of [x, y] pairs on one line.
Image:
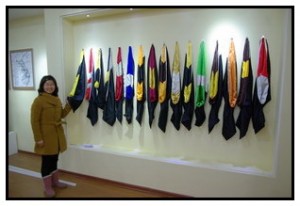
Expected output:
{"points": [[21, 63]]}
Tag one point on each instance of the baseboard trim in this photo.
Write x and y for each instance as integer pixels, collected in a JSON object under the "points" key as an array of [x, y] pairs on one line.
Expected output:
{"points": [[120, 184], [31, 173]]}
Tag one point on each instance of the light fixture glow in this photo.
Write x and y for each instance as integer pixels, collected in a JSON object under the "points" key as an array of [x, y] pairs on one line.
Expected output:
{"points": [[223, 32]]}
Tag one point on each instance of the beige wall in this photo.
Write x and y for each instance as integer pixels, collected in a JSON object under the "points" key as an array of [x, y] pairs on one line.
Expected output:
{"points": [[187, 162]]}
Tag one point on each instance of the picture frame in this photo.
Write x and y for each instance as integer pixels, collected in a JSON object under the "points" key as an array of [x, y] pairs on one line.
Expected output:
{"points": [[22, 69]]}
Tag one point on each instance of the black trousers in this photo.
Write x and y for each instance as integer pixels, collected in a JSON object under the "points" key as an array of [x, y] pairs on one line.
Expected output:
{"points": [[49, 164]]}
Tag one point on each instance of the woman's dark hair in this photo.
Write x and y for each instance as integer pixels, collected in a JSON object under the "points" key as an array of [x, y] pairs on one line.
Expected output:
{"points": [[43, 80]]}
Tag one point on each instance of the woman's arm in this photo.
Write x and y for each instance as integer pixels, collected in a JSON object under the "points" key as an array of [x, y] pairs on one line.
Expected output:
{"points": [[36, 109], [66, 110]]}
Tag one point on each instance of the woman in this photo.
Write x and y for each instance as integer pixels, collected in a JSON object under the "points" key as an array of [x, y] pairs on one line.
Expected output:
{"points": [[46, 123]]}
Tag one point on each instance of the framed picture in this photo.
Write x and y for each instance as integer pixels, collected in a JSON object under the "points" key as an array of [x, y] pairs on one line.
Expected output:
{"points": [[21, 64]]}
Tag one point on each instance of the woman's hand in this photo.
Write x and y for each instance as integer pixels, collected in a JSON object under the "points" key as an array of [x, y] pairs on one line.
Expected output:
{"points": [[40, 143]]}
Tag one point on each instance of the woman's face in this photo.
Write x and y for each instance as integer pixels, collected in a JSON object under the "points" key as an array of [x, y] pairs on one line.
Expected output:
{"points": [[49, 87]]}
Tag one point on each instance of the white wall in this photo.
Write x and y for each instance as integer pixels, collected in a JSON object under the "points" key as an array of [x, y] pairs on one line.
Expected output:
{"points": [[23, 34], [177, 161], [167, 27]]}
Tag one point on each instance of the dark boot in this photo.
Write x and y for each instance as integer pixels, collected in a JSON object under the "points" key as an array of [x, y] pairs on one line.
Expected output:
{"points": [[55, 180], [48, 190]]}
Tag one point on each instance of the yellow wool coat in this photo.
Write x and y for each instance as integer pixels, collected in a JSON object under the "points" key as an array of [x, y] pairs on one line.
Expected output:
{"points": [[46, 122]]}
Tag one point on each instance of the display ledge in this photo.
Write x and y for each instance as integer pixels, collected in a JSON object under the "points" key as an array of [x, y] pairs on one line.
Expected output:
{"points": [[174, 160]]}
